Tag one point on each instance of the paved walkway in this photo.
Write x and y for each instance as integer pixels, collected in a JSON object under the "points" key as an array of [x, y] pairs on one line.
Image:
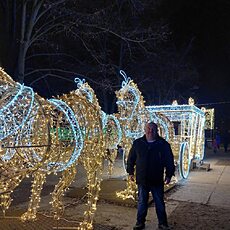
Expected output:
{"points": [[212, 187]]}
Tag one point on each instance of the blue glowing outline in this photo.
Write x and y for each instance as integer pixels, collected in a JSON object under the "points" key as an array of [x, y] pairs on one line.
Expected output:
{"points": [[175, 108], [60, 104], [181, 156], [81, 86], [127, 88], [22, 88], [105, 118]]}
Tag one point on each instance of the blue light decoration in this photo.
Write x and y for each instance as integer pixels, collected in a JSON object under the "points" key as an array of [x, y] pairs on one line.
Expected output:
{"points": [[87, 111], [111, 130], [128, 97], [28, 145], [188, 141], [16, 107], [131, 108], [77, 139], [110, 124], [84, 89]]}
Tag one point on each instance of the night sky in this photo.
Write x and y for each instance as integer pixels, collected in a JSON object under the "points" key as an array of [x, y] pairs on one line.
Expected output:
{"points": [[204, 24], [207, 22]]}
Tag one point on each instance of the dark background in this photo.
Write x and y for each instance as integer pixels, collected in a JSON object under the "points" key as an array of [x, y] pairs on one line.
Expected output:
{"points": [[209, 23], [172, 49]]}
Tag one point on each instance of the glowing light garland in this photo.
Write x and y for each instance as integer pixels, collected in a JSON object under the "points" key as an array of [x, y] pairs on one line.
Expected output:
{"points": [[31, 147], [93, 152], [133, 116], [110, 124], [77, 137], [41, 137], [23, 101], [209, 118], [188, 141], [186, 146]]}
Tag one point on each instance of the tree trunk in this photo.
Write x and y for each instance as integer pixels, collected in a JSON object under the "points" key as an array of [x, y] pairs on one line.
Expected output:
{"points": [[21, 62]]}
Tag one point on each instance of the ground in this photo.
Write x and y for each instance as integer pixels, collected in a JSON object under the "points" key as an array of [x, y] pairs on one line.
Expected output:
{"points": [[200, 202]]}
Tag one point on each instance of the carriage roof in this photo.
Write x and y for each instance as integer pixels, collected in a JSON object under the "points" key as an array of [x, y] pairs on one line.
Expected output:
{"points": [[174, 112]]}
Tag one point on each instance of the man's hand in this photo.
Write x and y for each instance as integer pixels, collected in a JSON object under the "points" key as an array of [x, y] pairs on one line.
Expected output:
{"points": [[167, 180], [131, 177]]}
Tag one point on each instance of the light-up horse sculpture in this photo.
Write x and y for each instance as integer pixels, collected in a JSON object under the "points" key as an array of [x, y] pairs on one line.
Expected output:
{"points": [[112, 133], [41, 139], [96, 128], [133, 116], [35, 143]]}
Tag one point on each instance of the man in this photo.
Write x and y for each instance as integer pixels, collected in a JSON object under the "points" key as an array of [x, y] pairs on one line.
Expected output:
{"points": [[151, 154]]}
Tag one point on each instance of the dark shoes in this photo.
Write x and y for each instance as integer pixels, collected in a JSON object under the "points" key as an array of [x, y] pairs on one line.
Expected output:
{"points": [[164, 227], [142, 226], [139, 226]]}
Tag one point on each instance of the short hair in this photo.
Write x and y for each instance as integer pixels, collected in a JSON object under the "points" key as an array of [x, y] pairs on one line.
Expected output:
{"points": [[152, 124]]}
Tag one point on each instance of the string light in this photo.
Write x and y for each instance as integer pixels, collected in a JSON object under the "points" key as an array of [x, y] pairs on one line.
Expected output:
{"points": [[35, 144], [49, 136], [188, 140], [186, 145]]}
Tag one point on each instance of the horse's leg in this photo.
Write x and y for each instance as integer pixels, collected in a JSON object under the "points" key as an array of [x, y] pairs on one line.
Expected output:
{"points": [[8, 185], [67, 178], [131, 187], [39, 179], [111, 160], [94, 183]]}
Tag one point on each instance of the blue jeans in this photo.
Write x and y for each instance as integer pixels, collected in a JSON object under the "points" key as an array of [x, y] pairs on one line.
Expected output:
{"points": [[158, 196]]}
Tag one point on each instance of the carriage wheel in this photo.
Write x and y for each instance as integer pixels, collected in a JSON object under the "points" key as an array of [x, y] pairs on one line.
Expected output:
{"points": [[201, 147], [184, 160]]}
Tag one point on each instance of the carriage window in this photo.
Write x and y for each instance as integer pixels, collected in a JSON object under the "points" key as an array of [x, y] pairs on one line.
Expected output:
{"points": [[177, 126]]}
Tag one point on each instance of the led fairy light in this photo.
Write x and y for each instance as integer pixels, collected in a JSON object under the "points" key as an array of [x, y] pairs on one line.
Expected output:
{"points": [[110, 124], [34, 148], [187, 144], [89, 118], [131, 108], [100, 132], [164, 125], [16, 106], [63, 153], [209, 118], [15, 109], [85, 90], [112, 136], [132, 116], [75, 138], [112, 131]]}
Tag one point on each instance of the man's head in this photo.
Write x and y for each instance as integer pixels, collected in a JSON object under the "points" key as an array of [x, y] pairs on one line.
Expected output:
{"points": [[151, 129]]}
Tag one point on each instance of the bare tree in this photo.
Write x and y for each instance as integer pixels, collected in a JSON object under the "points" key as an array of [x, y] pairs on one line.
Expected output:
{"points": [[25, 24], [47, 43]]}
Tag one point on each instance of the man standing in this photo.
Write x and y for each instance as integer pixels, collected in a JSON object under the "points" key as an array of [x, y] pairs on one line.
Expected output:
{"points": [[151, 154]]}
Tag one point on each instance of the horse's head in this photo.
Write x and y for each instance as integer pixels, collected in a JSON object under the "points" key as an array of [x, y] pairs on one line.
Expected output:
{"points": [[85, 90], [128, 98]]}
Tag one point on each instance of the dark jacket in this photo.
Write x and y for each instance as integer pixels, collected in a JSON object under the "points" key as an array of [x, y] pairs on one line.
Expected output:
{"points": [[150, 160]]}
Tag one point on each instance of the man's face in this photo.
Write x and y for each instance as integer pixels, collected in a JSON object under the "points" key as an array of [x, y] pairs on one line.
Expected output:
{"points": [[151, 129]]}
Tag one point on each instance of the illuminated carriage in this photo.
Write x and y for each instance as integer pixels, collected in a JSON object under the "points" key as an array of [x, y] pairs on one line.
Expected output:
{"points": [[181, 125], [188, 132]]}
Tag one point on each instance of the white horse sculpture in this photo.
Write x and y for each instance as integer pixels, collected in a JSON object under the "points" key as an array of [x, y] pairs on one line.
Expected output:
{"points": [[133, 116], [35, 143]]}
